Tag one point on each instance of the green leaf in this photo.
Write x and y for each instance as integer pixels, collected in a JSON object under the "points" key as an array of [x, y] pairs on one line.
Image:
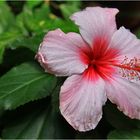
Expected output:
{"points": [[6, 39], [1, 53], [31, 43], [33, 21], [24, 83], [64, 25], [42, 122], [8, 32], [42, 20], [137, 33], [32, 4], [7, 19], [121, 134], [69, 8]]}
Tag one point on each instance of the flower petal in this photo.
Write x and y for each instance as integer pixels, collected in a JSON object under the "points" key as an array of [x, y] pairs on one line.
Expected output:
{"points": [[60, 53], [126, 95], [126, 42], [96, 22], [81, 102]]}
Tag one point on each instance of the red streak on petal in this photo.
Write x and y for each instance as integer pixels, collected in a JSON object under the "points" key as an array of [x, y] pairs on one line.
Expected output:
{"points": [[102, 52], [86, 54], [91, 74]]}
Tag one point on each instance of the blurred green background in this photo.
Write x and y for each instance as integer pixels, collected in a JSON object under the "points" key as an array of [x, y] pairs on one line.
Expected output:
{"points": [[33, 111]]}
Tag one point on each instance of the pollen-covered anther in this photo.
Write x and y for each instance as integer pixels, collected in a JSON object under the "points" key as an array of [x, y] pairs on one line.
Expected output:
{"points": [[130, 68]]}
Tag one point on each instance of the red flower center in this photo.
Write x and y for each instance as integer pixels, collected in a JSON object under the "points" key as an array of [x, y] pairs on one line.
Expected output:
{"points": [[100, 59]]}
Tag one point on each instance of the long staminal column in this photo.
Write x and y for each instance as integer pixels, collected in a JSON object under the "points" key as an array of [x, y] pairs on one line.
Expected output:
{"points": [[130, 68]]}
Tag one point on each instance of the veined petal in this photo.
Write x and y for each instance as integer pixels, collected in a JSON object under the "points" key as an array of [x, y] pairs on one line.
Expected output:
{"points": [[96, 22], [126, 95], [81, 101], [60, 53], [126, 42]]}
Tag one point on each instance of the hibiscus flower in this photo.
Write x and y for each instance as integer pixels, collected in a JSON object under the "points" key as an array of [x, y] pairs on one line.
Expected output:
{"points": [[101, 62]]}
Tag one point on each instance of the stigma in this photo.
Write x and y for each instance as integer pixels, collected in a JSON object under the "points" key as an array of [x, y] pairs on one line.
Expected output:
{"points": [[130, 68]]}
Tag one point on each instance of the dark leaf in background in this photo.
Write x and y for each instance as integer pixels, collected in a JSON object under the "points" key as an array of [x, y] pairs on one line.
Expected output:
{"points": [[121, 134], [15, 6], [118, 120], [31, 43], [6, 39], [15, 57], [41, 122]]}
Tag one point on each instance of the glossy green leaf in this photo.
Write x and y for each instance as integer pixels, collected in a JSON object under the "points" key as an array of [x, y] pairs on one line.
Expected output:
{"points": [[42, 122], [121, 134], [24, 83]]}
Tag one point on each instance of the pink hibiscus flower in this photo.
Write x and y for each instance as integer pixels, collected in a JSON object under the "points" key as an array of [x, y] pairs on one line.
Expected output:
{"points": [[101, 63]]}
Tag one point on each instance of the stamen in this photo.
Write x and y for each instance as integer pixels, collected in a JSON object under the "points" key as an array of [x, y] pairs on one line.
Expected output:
{"points": [[130, 68]]}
